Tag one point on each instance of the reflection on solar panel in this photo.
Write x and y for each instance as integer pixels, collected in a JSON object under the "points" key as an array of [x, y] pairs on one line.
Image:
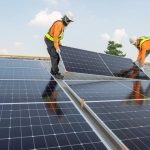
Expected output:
{"points": [[129, 120], [22, 91], [35, 113], [110, 90], [81, 61]]}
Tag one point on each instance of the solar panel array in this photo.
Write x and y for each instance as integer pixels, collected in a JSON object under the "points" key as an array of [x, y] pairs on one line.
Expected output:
{"points": [[35, 113], [81, 61]]}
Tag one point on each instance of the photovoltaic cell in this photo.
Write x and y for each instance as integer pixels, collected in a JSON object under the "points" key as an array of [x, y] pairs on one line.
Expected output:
{"points": [[77, 60], [128, 120], [40, 126], [110, 90]]}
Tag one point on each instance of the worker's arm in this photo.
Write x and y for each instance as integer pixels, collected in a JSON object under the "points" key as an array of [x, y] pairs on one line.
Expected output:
{"points": [[57, 31]]}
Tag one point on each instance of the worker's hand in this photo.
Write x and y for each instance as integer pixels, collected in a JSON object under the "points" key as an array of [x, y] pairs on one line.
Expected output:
{"points": [[58, 50], [137, 62]]}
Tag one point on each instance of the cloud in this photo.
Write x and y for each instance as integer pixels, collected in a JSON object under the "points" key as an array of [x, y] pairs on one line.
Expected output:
{"points": [[118, 35], [44, 18], [4, 51], [18, 44], [36, 36], [105, 36], [55, 2]]}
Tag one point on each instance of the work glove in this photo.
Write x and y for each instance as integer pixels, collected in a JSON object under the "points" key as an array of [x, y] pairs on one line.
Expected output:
{"points": [[58, 50]]}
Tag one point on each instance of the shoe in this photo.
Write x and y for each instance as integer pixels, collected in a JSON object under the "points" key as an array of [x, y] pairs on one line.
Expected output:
{"points": [[142, 69], [58, 76]]}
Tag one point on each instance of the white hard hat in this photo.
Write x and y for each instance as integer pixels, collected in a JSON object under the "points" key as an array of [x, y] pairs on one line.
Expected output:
{"points": [[133, 40], [70, 16]]}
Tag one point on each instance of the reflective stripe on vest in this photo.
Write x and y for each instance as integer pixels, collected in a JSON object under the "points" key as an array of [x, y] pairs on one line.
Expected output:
{"points": [[52, 39], [142, 40]]}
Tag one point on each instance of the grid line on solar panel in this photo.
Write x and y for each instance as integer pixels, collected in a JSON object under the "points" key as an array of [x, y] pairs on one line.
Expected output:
{"points": [[128, 120], [64, 128]]}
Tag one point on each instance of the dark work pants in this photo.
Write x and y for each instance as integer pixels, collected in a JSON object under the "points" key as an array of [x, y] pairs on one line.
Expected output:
{"points": [[53, 55]]}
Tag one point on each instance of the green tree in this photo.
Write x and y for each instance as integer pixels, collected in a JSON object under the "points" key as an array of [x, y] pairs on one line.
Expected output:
{"points": [[112, 49]]}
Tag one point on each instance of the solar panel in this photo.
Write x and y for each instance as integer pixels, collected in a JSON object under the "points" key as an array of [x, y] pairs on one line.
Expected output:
{"points": [[77, 60], [128, 120], [110, 90], [81, 61], [123, 67]]}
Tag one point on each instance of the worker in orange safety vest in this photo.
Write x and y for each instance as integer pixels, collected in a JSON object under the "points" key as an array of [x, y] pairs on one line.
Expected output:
{"points": [[52, 40], [143, 45]]}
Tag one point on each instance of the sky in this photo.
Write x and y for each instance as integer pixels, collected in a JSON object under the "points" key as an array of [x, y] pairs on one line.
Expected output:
{"points": [[24, 23]]}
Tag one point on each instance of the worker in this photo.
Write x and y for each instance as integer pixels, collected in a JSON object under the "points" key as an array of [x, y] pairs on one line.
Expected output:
{"points": [[52, 40], [143, 45]]}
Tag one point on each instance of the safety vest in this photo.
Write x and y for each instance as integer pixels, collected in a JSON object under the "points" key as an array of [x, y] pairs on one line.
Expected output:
{"points": [[142, 40], [51, 38]]}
